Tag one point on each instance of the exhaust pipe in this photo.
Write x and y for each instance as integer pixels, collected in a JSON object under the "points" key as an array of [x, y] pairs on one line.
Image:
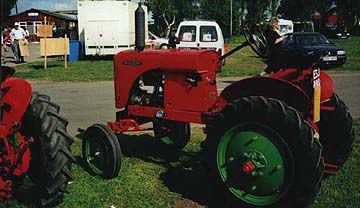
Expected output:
{"points": [[139, 28]]}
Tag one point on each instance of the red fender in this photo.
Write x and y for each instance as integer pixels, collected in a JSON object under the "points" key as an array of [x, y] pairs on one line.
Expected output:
{"points": [[268, 87], [292, 75], [16, 98], [327, 86]]}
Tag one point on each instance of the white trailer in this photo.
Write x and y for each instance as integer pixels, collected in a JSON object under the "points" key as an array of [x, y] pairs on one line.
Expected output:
{"points": [[107, 27]]}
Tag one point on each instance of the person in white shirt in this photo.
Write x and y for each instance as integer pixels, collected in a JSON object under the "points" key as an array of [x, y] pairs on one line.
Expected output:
{"points": [[27, 34], [16, 34]]}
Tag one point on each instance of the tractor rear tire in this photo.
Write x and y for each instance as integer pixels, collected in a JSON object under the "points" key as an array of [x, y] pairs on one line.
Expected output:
{"points": [[261, 153], [51, 159], [336, 134], [101, 151], [173, 134]]}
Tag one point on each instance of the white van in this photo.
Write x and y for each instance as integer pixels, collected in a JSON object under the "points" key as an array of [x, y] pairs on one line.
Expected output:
{"points": [[200, 35]]}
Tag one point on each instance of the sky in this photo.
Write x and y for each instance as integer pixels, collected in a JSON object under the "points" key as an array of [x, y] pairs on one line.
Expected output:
{"points": [[24, 5], [51, 5]]}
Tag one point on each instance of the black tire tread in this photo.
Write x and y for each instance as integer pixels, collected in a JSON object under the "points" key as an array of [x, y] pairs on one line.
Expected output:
{"points": [[114, 166], [180, 138], [336, 132], [289, 124], [43, 122]]}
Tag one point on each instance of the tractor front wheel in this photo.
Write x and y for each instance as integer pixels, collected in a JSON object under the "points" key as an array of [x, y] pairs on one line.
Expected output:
{"points": [[260, 152], [101, 151], [173, 134], [51, 159]]}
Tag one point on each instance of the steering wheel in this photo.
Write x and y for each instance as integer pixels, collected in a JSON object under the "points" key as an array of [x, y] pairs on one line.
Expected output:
{"points": [[257, 42]]}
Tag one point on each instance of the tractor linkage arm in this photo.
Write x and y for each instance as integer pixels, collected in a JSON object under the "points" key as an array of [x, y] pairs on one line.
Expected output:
{"points": [[243, 45]]}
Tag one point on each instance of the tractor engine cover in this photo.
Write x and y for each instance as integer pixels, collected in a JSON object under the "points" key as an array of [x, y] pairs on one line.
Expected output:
{"points": [[189, 76]]}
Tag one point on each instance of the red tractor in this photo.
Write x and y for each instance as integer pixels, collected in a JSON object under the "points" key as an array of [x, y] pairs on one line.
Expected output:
{"points": [[265, 145], [35, 156]]}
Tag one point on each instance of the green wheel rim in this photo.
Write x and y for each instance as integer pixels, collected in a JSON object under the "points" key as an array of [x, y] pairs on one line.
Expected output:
{"points": [[255, 164], [167, 140], [96, 155]]}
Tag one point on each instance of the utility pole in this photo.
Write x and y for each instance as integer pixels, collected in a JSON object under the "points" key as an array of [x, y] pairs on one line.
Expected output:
{"points": [[231, 15], [16, 8]]}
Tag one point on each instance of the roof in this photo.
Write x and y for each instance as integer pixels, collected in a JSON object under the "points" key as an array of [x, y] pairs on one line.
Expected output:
{"points": [[285, 22], [52, 14], [305, 33]]}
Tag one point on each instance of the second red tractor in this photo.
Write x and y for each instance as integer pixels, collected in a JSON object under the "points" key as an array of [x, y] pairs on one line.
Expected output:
{"points": [[265, 145]]}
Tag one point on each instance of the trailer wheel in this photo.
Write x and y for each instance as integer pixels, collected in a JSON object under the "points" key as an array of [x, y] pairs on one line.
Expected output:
{"points": [[51, 159], [101, 151], [173, 134], [260, 152], [336, 135]]}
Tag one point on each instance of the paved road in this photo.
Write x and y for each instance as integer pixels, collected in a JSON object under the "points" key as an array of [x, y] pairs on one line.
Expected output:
{"points": [[88, 103]]}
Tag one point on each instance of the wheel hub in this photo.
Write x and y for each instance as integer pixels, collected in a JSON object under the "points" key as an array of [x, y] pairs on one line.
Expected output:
{"points": [[252, 165]]}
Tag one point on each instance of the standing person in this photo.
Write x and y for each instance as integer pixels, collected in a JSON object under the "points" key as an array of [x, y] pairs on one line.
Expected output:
{"points": [[273, 39], [7, 42], [3, 45], [27, 34], [17, 33]]}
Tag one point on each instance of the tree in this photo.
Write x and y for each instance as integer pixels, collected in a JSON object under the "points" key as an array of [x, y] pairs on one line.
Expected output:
{"points": [[6, 7], [256, 9], [350, 11], [165, 11], [302, 10], [219, 10], [274, 4]]}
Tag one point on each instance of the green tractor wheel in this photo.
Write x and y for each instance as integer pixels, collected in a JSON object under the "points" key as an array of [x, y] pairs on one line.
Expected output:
{"points": [[257, 161], [260, 152], [101, 151], [173, 134]]}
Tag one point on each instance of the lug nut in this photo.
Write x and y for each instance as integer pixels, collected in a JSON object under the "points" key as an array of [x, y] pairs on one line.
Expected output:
{"points": [[253, 188]]}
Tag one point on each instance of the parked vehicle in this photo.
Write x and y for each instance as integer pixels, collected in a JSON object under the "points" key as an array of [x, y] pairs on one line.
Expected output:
{"points": [[160, 43], [106, 27], [335, 32], [263, 135], [295, 46], [285, 26], [200, 35]]}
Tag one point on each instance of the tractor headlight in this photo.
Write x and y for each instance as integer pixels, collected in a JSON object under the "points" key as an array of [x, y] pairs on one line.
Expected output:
{"points": [[341, 52]]}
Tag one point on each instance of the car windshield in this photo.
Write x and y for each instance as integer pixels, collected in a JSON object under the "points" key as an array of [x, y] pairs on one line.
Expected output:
{"points": [[311, 39]]}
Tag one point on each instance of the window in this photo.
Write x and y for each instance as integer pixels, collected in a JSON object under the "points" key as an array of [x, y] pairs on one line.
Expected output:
{"points": [[35, 26], [187, 33], [208, 34], [30, 27], [291, 40], [23, 25]]}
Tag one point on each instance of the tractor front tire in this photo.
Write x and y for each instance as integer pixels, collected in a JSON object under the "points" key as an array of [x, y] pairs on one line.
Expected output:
{"points": [[336, 134], [101, 151], [51, 159], [173, 134], [261, 153]]}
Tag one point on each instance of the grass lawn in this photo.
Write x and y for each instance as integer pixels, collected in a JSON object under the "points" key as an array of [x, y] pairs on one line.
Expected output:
{"points": [[242, 63], [153, 177]]}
